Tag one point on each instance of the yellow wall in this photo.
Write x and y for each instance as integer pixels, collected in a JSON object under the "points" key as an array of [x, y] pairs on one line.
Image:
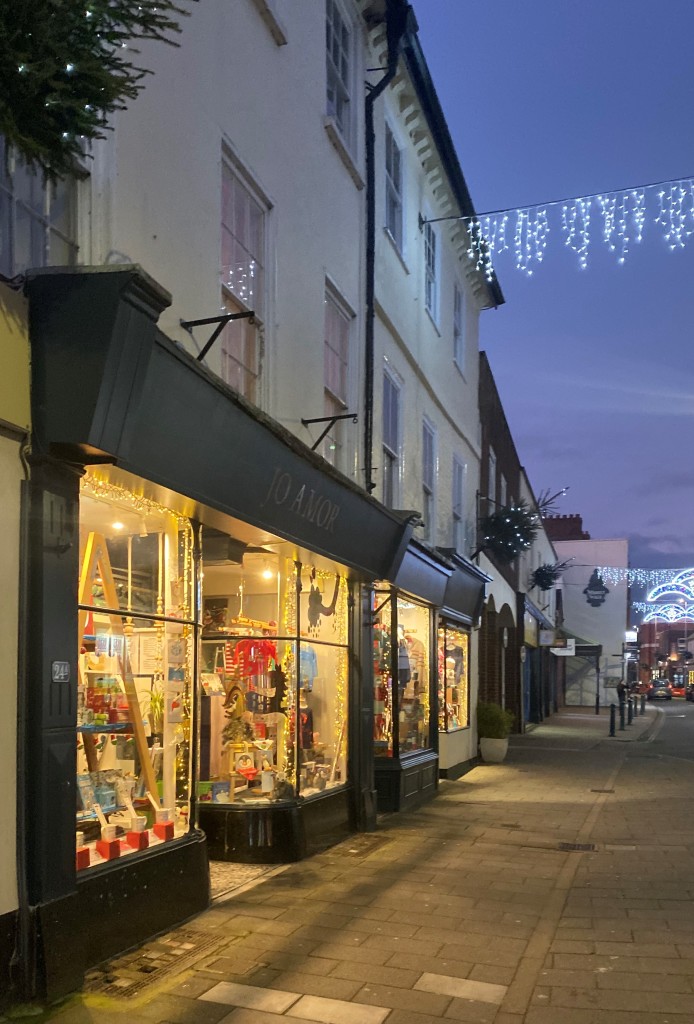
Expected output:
{"points": [[14, 413], [14, 352]]}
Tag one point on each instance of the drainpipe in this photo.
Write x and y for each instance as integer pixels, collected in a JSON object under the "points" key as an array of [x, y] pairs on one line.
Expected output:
{"points": [[398, 14]]}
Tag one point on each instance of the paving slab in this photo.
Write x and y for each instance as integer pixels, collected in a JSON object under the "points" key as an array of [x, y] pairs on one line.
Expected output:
{"points": [[520, 895]]}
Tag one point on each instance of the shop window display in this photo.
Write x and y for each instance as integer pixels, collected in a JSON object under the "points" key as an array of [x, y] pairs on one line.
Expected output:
{"points": [[274, 679], [401, 652], [135, 670], [453, 678]]}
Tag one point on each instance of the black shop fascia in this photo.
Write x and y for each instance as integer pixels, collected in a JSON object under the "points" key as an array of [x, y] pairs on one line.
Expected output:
{"points": [[201, 687]]}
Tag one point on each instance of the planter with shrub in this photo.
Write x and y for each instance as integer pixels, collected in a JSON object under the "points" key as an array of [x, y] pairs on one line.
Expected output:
{"points": [[494, 724]]}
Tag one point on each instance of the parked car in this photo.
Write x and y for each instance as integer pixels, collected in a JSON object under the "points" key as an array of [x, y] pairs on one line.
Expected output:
{"points": [[689, 692], [661, 689]]}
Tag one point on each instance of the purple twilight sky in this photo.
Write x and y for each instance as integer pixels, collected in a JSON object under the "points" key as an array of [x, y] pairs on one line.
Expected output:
{"points": [[548, 100]]}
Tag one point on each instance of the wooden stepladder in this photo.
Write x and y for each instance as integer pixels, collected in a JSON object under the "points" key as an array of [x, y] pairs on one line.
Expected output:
{"points": [[96, 562]]}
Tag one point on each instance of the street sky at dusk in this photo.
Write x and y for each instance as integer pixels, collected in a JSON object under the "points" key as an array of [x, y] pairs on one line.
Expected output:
{"points": [[595, 367]]}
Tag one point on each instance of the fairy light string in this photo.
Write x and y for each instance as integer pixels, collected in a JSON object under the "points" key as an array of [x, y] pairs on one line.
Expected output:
{"points": [[617, 218]]}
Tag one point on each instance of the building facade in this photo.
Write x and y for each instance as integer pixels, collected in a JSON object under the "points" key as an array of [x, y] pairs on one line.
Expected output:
{"points": [[596, 615]]}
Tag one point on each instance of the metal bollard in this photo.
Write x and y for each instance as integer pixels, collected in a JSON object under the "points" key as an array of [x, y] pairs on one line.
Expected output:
{"points": [[621, 716], [643, 703], [630, 711], [613, 716]]}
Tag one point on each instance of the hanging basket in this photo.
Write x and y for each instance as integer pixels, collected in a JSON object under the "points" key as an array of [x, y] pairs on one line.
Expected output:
{"points": [[508, 531]]}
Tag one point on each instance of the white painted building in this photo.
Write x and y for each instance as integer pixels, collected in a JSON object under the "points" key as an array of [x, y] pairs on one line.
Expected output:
{"points": [[597, 613]]}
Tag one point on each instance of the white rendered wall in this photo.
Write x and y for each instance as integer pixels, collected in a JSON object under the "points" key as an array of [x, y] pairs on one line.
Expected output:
{"points": [[418, 350], [157, 187], [604, 624]]}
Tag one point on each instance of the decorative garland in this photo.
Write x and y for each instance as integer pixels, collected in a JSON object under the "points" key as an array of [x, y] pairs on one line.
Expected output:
{"points": [[65, 67]]}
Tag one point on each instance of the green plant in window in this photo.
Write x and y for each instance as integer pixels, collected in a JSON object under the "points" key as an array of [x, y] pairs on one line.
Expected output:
{"points": [[155, 710]]}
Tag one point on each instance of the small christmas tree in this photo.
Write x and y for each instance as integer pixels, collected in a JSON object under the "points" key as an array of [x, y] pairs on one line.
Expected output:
{"points": [[66, 65]]}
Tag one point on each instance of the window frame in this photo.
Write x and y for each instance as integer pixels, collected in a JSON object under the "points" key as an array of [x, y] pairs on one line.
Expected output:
{"points": [[431, 271], [340, 81], [459, 339], [335, 404], [391, 445], [241, 333], [394, 190], [491, 479], [429, 478], [15, 172], [458, 502]]}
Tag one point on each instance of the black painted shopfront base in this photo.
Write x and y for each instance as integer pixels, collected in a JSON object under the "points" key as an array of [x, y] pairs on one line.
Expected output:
{"points": [[404, 783], [277, 833], [8, 952], [118, 907], [457, 771]]}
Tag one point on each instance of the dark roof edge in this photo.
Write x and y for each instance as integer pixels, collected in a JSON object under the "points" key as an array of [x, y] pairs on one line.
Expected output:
{"points": [[421, 77]]}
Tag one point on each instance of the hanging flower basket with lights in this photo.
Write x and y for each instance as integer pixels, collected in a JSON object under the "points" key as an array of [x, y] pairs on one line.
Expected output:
{"points": [[508, 531], [66, 65], [547, 575]]}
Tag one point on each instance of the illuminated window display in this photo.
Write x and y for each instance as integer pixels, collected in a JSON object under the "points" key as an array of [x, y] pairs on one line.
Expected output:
{"points": [[134, 698], [274, 679], [402, 652], [453, 678]]}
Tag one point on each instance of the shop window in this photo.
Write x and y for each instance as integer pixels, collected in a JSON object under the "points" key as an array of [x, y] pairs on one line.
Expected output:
{"points": [[453, 652], [243, 280], [136, 657], [274, 676], [401, 652], [38, 219]]}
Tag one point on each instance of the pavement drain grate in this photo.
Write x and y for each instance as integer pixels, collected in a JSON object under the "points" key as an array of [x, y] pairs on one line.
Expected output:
{"points": [[128, 975], [602, 791], [581, 847]]}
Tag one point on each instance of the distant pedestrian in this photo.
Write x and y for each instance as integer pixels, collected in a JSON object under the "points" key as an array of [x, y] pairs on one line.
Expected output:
{"points": [[621, 691]]}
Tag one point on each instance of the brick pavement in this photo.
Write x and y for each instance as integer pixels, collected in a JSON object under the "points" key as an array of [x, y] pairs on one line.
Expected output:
{"points": [[556, 887]]}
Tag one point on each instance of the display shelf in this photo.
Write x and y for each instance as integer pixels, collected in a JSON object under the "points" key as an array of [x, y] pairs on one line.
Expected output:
{"points": [[107, 727], [91, 816]]}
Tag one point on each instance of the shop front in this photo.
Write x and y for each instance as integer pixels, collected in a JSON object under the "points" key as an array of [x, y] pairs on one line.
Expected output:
{"points": [[200, 598], [405, 716], [460, 614], [537, 664]]}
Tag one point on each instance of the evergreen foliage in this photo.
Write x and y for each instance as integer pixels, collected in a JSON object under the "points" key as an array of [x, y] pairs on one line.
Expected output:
{"points": [[508, 531], [493, 721], [66, 65]]}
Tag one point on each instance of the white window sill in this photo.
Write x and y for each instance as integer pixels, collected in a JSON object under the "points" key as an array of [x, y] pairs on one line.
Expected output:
{"points": [[396, 249], [459, 368], [335, 136], [277, 30], [433, 321]]}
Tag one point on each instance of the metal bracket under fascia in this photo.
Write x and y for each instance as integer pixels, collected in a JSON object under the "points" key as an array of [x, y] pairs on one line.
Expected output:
{"points": [[221, 322], [331, 421]]}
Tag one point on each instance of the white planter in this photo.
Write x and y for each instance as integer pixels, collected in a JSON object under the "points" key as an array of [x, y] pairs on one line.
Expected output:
{"points": [[493, 751]]}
